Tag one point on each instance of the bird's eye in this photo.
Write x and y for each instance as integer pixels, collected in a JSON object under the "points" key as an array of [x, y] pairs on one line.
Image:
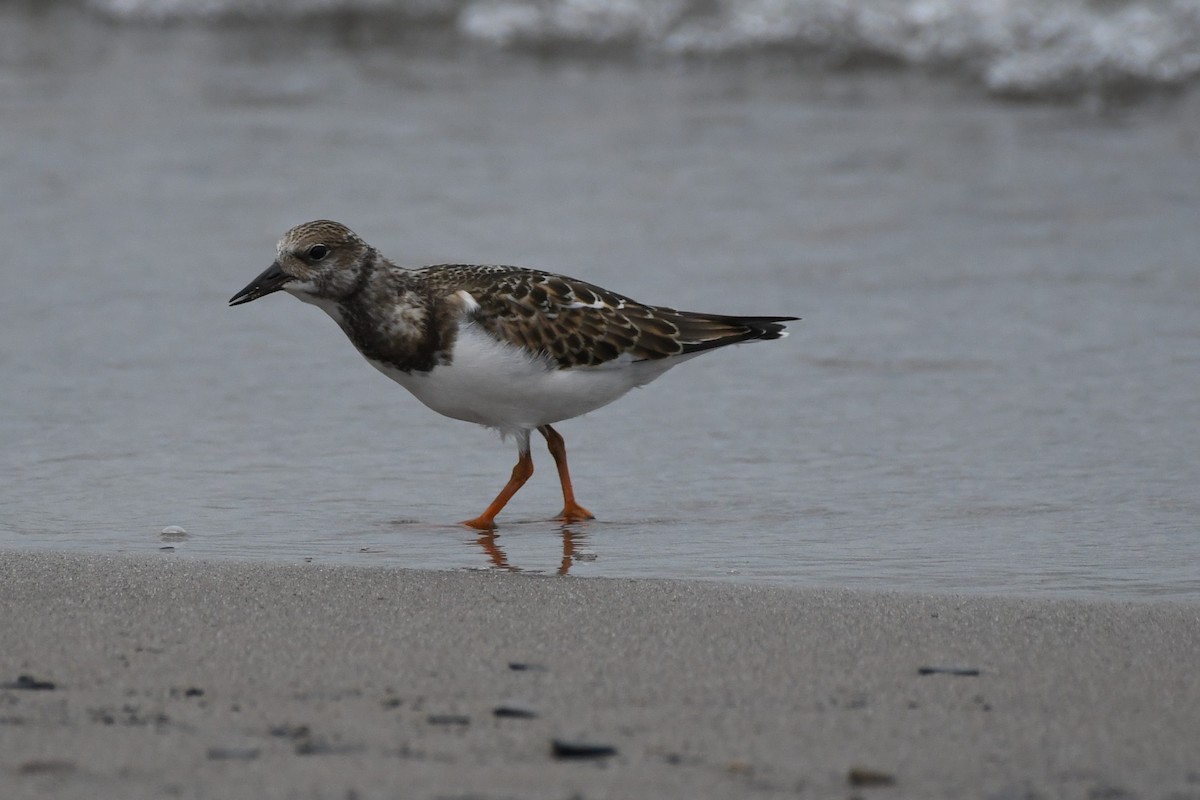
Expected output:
{"points": [[317, 252]]}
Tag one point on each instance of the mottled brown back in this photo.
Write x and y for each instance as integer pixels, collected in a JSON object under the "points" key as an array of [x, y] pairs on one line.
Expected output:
{"points": [[579, 324]]}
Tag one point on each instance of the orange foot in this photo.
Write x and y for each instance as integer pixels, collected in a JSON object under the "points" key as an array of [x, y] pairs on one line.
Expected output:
{"points": [[575, 513], [481, 523]]}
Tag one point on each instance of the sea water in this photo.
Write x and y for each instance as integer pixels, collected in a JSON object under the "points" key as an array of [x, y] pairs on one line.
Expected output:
{"points": [[995, 386]]}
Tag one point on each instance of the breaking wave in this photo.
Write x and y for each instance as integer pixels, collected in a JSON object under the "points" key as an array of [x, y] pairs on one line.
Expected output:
{"points": [[1012, 47]]}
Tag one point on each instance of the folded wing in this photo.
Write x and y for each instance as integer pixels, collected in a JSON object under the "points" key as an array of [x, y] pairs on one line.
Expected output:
{"points": [[576, 324]]}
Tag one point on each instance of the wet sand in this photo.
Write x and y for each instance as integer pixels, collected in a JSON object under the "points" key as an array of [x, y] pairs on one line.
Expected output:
{"points": [[200, 679]]}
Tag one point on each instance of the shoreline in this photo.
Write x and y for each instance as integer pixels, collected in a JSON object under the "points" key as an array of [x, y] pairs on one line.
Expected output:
{"points": [[229, 679]]}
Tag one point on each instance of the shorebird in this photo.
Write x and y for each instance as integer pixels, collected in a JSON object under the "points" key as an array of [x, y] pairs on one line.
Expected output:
{"points": [[510, 348]]}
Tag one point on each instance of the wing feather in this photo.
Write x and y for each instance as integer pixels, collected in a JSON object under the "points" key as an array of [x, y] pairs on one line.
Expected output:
{"points": [[574, 323]]}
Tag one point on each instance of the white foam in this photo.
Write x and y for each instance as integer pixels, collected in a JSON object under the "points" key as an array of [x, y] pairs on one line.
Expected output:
{"points": [[1030, 47]]}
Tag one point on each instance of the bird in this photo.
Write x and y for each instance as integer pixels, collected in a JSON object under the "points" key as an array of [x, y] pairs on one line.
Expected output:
{"points": [[509, 348]]}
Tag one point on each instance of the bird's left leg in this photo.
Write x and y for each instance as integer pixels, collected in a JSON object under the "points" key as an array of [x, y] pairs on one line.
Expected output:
{"points": [[572, 511], [521, 472]]}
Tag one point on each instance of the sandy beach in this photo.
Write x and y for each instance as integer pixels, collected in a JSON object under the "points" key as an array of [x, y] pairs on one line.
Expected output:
{"points": [[131, 678]]}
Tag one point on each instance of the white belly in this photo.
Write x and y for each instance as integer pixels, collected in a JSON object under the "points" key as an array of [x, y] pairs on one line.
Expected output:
{"points": [[501, 386]]}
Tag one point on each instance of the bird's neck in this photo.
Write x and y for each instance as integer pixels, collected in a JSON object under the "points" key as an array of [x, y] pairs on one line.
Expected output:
{"points": [[390, 316]]}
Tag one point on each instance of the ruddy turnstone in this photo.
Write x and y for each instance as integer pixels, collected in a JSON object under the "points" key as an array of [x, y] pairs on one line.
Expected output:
{"points": [[510, 348]]}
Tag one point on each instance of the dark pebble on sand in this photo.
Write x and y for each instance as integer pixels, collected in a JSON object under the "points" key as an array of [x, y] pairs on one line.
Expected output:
{"points": [[29, 682], [940, 670], [448, 719], [521, 666], [52, 766], [569, 748], [232, 753], [511, 711], [320, 747], [306, 743], [861, 776], [289, 731]]}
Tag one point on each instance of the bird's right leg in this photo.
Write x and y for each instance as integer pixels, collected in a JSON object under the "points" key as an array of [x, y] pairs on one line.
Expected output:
{"points": [[520, 474]]}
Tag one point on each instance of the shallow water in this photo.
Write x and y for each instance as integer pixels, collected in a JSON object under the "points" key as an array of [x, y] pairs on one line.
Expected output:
{"points": [[993, 388]]}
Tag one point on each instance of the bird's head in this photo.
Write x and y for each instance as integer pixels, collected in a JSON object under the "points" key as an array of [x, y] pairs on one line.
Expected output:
{"points": [[319, 260]]}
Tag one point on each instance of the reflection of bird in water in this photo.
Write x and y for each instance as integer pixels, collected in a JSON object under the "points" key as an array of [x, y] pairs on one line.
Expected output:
{"points": [[510, 348], [570, 539]]}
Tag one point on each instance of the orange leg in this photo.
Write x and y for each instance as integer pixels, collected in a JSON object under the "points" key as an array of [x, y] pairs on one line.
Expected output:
{"points": [[520, 474], [572, 511]]}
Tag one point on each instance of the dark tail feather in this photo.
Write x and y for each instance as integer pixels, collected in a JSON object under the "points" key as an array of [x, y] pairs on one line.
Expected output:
{"points": [[707, 331]]}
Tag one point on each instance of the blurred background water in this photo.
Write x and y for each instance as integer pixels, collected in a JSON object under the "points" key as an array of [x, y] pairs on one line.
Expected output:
{"points": [[986, 213]]}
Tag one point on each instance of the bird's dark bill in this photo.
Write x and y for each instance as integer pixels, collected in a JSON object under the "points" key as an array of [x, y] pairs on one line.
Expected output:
{"points": [[271, 280]]}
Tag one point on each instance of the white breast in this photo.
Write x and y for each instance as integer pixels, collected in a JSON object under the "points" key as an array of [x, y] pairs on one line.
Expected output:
{"points": [[495, 384]]}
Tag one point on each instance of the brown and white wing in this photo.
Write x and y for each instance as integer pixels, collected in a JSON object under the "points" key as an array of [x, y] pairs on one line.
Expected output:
{"points": [[578, 324]]}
